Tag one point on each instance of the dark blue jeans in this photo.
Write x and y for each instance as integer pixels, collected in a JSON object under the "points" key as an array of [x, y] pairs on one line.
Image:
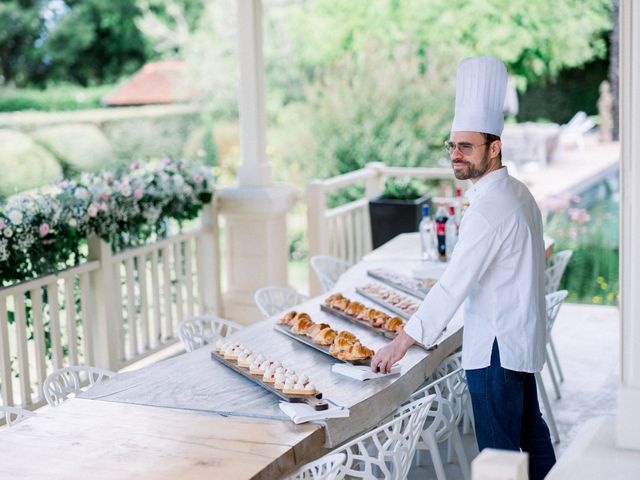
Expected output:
{"points": [[507, 415]]}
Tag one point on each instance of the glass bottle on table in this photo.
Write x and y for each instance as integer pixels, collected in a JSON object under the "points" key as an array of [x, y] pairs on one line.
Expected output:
{"points": [[427, 235], [451, 234], [441, 232]]}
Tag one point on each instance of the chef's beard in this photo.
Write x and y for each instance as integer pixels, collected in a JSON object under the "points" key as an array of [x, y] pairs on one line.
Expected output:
{"points": [[471, 171]]}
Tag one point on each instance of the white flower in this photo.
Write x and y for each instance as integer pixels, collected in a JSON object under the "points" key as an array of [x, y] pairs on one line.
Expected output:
{"points": [[178, 180], [125, 189], [81, 193], [8, 232], [15, 216], [72, 222], [92, 211]]}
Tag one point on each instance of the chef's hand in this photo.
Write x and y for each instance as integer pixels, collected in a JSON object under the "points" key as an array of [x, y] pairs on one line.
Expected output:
{"points": [[384, 358]]}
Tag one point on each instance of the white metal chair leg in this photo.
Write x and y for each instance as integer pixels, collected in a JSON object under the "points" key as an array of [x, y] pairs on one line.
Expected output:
{"points": [[468, 421], [554, 354], [463, 461], [547, 408], [436, 459], [552, 374]]}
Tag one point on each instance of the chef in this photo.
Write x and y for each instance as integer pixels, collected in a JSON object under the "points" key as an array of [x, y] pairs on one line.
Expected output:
{"points": [[497, 270]]}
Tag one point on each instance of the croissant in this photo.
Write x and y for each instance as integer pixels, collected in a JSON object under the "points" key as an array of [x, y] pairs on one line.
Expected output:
{"points": [[333, 298], [340, 304], [357, 351], [379, 319], [301, 324], [354, 309], [316, 328], [394, 324], [347, 335], [288, 318], [325, 336], [364, 314], [339, 345]]}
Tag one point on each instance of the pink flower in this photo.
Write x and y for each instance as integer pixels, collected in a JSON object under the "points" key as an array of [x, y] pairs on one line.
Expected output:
{"points": [[125, 189], [579, 215], [104, 196], [165, 161], [135, 166], [44, 230], [138, 193], [2, 224], [103, 207], [198, 179], [92, 211]]}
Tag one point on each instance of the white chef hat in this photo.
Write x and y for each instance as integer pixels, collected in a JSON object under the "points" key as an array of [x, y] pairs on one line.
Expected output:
{"points": [[481, 85]]}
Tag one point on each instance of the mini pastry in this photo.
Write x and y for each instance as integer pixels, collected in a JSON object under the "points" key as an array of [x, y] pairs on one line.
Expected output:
{"points": [[354, 309], [301, 324], [269, 375], [356, 351], [221, 345], [299, 388], [394, 324], [231, 352], [246, 359], [279, 381], [288, 318], [315, 328], [255, 369]]}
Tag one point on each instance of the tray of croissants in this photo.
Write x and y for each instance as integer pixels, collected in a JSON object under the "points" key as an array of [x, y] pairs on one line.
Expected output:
{"points": [[355, 312], [271, 374], [342, 345]]}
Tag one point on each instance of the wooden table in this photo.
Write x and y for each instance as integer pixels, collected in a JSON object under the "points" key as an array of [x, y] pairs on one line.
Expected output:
{"points": [[109, 440], [142, 437]]}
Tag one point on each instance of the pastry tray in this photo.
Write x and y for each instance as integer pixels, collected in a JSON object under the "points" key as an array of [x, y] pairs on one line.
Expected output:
{"points": [[420, 294], [312, 400], [286, 330], [401, 313], [362, 323]]}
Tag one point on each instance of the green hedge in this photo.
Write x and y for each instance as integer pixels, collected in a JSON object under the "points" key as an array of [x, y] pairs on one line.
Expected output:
{"points": [[57, 98]]}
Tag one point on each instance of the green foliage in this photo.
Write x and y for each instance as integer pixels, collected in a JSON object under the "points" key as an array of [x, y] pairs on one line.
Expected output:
{"points": [[53, 98], [372, 107], [96, 41], [79, 147], [24, 164], [403, 188], [592, 234], [22, 24], [536, 40]]}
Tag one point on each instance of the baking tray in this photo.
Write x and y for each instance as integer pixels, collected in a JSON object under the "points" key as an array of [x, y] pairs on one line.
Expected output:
{"points": [[401, 313], [362, 323], [314, 400], [419, 294], [286, 330]]}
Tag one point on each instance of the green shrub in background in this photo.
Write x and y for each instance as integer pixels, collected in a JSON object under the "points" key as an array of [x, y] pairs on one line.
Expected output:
{"points": [[78, 147], [24, 164], [54, 98], [371, 107], [592, 234]]}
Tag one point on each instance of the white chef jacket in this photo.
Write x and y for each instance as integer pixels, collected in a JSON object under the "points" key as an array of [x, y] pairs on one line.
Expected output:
{"points": [[498, 268]]}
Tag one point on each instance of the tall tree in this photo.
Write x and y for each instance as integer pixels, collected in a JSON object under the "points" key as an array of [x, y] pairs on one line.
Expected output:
{"points": [[21, 27], [96, 41]]}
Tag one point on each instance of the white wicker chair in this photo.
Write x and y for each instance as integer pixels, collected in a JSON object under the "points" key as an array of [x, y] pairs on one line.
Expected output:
{"points": [[448, 393], [326, 468], [328, 269], [552, 277], [387, 451], [272, 300], [13, 415], [64, 382], [197, 331]]}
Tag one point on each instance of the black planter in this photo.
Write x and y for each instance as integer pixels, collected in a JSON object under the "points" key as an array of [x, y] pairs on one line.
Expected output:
{"points": [[390, 218]]}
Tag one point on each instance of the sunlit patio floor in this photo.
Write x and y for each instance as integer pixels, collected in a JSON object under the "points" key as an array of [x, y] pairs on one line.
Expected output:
{"points": [[587, 339]]}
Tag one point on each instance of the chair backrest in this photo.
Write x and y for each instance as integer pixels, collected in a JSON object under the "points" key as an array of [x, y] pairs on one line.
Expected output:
{"points": [[326, 468], [328, 269], [64, 382], [554, 302], [448, 393], [13, 415], [195, 332], [450, 364], [272, 300], [555, 270], [387, 451]]}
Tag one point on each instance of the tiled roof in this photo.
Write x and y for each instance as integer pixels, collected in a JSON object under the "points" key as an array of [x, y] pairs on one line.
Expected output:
{"points": [[155, 83]]}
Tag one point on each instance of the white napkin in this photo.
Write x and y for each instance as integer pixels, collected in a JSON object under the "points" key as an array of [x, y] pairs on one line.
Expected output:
{"points": [[301, 412], [361, 372]]}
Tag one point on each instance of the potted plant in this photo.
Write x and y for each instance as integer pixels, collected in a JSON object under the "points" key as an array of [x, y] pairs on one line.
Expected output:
{"points": [[398, 210]]}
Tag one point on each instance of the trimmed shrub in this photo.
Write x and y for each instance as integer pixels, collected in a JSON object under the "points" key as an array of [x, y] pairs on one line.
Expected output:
{"points": [[24, 164], [79, 147]]}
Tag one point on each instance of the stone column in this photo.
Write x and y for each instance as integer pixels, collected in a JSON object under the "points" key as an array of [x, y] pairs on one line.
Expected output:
{"points": [[628, 417], [255, 210]]}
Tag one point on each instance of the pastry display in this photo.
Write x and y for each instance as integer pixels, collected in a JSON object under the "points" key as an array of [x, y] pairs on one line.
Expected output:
{"points": [[412, 286], [343, 345], [370, 317], [389, 298]]}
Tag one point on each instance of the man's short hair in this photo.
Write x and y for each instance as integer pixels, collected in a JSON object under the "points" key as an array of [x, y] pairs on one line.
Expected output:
{"points": [[490, 138]]}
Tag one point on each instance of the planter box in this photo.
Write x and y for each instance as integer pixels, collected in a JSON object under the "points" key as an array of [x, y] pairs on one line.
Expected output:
{"points": [[390, 218]]}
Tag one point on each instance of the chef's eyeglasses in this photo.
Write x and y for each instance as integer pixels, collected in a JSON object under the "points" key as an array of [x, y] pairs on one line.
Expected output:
{"points": [[464, 147]]}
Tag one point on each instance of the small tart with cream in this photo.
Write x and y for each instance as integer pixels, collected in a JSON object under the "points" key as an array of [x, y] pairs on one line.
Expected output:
{"points": [[246, 358], [299, 388]]}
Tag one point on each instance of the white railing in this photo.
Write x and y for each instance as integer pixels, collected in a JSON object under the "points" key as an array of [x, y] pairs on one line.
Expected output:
{"points": [[109, 312], [345, 231]]}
